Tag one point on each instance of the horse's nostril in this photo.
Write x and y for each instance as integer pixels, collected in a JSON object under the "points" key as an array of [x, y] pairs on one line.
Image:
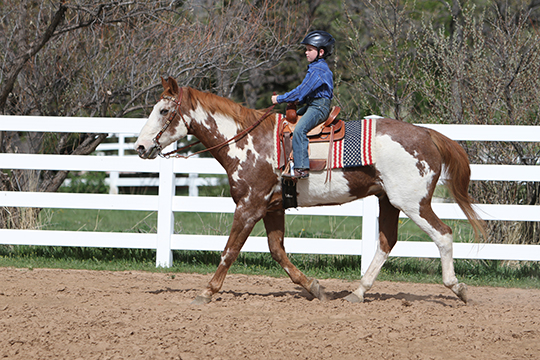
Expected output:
{"points": [[140, 148]]}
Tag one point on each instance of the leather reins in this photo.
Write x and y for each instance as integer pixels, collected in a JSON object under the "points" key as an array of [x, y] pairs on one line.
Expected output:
{"points": [[177, 111]]}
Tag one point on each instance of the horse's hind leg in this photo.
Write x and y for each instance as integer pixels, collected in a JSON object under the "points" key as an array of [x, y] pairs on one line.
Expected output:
{"points": [[274, 223], [441, 234], [388, 226]]}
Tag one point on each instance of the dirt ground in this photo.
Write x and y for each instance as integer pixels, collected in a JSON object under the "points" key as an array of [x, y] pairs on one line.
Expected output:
{"points": [[73, 314]]}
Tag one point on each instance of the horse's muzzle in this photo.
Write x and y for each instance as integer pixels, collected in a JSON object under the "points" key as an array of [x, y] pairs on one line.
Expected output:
{"points": [[150, 153]]}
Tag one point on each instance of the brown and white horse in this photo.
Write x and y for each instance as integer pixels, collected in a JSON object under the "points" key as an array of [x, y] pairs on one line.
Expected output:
{"points": [[408, 162]]}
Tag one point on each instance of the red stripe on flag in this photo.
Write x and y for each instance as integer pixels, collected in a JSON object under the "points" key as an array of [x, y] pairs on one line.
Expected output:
{"points": [[338, 154], [341, 143], [334, 156], [368, 141], [364, 145]]}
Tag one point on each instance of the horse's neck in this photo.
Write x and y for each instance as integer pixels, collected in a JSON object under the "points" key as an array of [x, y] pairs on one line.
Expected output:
{"points": [[216, 129]]}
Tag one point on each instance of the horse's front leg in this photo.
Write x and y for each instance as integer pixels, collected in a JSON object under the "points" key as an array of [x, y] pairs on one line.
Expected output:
{"points": [[244, 220], [274, 223]]}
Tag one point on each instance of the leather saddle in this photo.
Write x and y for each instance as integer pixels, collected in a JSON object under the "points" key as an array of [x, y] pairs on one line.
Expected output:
{"points": [[321, 132], [329, 131]]}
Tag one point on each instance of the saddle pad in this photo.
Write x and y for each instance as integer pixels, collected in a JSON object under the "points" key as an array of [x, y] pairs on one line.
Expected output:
{"points": [[356, 147]]}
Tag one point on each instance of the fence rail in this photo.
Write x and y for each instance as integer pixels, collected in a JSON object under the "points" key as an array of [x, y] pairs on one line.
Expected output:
{"points": [[164, 241]]}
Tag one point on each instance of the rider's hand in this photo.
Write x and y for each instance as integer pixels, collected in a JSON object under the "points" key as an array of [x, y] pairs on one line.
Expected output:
{"points": [[274, 99]]}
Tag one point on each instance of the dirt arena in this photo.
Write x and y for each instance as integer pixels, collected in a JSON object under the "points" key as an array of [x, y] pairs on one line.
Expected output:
{"points": [[72, 314]]}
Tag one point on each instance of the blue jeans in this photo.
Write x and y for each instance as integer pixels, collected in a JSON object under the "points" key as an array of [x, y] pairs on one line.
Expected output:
{"points": [[314, 113]]}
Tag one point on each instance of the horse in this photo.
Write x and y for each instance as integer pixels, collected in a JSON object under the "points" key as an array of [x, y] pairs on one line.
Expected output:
{"points": [[409, 160]]}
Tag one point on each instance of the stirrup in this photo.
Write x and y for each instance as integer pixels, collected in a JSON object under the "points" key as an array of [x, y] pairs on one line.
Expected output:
{"points": [[297, 174]]}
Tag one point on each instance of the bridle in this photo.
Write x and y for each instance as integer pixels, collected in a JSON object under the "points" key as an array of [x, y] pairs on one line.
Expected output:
{"points": [[172, 115], [176, 111]]}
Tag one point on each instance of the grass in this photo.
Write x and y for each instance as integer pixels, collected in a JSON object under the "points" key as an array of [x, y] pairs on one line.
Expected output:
{"points": [[219, 224], [474, 272]]}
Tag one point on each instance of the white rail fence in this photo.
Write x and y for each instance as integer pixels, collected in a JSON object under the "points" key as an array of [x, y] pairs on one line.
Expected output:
{"points": [[166, 203], [115, 180]]}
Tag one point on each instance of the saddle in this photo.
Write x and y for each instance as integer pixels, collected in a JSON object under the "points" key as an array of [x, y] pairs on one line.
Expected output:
{"points": [[329, 131]]}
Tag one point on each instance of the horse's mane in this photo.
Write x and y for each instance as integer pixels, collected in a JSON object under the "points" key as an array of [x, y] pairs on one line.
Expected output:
{"points": [[243, 116]]}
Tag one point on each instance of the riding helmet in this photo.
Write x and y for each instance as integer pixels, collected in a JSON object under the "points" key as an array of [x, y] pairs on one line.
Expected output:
{"points": [[321, 40]]}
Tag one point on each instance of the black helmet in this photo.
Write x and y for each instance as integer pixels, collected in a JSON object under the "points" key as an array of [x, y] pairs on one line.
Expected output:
{"points": [[321, 40]]}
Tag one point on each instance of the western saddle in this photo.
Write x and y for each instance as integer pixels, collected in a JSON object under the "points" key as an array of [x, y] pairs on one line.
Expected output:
{"points": [[329, 131]]}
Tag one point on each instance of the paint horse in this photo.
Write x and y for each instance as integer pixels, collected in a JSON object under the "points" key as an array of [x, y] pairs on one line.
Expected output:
{"points": [[408, 162]]}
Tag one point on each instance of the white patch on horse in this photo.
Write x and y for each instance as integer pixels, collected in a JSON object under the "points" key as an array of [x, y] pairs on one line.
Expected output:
{"points": [[153, 126], [268, 196], [314, 191], [404, 178], [199, 115], [270, 159], [246, 199], [229, 129], [242, 155], [224, 258]]}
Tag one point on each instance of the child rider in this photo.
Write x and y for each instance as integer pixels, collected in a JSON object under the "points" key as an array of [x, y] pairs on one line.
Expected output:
{"points": [[316, 92]]}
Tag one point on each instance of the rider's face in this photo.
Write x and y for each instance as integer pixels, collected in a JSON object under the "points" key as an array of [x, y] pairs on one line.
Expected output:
{"points": [[311, 53]]}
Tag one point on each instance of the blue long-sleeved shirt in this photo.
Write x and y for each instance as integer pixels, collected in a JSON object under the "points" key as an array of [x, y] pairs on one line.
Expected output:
{"points": [[318, 83]]}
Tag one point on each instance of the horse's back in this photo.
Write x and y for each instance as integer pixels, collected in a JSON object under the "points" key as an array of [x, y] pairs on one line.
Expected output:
{"points": [[414, 140], [406, 164]]}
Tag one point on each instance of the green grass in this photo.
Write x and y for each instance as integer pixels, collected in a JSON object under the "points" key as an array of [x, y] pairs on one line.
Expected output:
{"points": [[474, 272], [220, 224]]}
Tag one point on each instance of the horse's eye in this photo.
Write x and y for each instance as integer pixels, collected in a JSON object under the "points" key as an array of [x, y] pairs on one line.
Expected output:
{"points": [[164, 112]]}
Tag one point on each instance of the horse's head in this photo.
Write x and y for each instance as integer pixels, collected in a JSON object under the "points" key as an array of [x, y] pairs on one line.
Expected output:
{"points": [[165, 125]]}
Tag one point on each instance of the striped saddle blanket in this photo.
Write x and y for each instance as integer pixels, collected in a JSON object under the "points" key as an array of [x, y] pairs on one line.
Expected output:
{"points": [[355, 149]]}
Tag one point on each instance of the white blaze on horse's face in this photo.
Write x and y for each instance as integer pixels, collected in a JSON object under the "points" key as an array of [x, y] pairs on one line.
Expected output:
{"points": [[145, 145]]}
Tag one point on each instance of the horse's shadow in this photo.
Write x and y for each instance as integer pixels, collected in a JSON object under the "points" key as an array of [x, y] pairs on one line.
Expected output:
{"points": [[406, 298], [279, 294], [409, 299]]}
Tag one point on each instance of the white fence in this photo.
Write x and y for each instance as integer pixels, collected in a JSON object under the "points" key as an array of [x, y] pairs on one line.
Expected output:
{"points": [[115, 180], [164, 241]]}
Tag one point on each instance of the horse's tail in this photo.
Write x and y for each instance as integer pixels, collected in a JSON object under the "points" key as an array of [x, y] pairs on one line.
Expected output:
{"points": [[458, 175]]}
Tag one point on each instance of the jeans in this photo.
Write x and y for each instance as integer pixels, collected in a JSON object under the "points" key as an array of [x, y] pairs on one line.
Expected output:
{"points": [[314, 113]]}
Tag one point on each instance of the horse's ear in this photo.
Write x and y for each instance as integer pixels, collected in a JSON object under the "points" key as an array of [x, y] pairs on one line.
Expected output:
{"points": [[164, 83], [173, 85]]}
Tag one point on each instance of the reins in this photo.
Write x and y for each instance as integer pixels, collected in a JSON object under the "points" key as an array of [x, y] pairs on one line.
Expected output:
{"points": [[177, 111]]}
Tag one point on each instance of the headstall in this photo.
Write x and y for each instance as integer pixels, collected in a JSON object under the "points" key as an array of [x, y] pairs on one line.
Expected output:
{"points": [[172, 115]]}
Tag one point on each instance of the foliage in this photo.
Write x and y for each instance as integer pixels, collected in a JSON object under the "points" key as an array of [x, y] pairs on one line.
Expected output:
{"points": [[89, 182], [420, 61], [87, 59], [382, 61], [470, 63], [487, 73]]}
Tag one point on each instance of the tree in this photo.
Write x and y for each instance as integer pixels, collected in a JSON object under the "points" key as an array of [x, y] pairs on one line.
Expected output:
{"points": [[81, 58], [381, 56], [457, 62]]}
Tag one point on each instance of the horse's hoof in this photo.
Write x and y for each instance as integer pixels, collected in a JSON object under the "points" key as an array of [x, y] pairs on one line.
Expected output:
{"points": [[460, 290], [201, 300], [353, 298], [317, 290]]}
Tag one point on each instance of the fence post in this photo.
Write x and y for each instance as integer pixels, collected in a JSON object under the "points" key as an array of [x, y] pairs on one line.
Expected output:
{"points": [[370, 231], [192, 184], [165, 219], [114, 176]]}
